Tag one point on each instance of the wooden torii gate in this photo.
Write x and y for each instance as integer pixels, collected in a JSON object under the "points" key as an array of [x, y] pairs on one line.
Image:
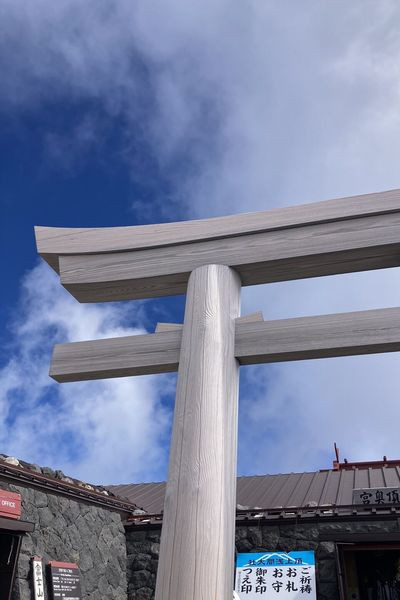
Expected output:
{"points": [[209, 260]]}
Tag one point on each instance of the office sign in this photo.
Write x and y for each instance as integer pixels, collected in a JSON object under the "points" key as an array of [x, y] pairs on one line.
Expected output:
{"points": [[10, 505], [283, 575], [65, 581]]}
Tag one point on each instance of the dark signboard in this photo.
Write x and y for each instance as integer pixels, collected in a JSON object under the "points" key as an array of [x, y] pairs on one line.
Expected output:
{"points": [[65, 581]]}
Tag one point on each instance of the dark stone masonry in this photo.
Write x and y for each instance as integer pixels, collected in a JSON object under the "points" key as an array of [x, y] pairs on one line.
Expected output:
{"points": [[71, 531], [142, 546]]}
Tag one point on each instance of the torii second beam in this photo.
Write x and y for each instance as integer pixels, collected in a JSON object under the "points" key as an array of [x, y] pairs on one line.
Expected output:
{"points": [[364, 332]]}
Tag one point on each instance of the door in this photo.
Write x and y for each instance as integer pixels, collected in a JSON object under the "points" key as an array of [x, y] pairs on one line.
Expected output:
{"points": [[9, 551], [371, 572]]}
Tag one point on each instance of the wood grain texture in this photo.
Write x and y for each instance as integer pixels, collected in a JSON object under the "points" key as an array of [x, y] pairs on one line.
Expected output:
{"points": [[345, 246], [197, 541], [116, 357], [161, 327], [251, 318], [364, 332], [53, 241]]}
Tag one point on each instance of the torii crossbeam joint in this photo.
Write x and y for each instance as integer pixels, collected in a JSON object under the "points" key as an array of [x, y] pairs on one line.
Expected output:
{"points": [[209, 260]]}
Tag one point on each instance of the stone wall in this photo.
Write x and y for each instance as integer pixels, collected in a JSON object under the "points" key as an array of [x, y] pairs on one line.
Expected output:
{"points": [[143, 547], [70, 531]]}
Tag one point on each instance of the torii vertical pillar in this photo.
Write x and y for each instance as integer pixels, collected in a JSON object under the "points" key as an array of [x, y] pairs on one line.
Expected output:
{"points": [[196, 562]]}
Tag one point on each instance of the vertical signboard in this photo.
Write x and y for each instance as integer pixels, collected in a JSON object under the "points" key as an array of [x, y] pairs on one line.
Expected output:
{"points": [[37, 574], [65, 581], [283, 575]]}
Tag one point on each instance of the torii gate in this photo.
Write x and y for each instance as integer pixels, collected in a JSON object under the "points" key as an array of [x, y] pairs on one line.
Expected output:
{"points": [[209, 260]]}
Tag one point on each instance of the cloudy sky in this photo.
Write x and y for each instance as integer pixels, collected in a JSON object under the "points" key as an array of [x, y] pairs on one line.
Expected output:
{"points": [[115, 112]]}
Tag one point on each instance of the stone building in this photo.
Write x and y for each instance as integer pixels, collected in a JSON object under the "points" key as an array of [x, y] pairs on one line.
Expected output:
{"points": [[113, 534], [61, 520]]}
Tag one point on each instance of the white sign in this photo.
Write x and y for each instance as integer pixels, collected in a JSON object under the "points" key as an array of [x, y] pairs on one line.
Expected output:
{"points": [[384, 495], [288, 575], [37, 573]]}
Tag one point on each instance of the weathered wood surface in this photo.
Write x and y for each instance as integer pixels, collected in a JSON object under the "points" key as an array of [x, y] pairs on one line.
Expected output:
{"points": [[294, 253], [197, 539], [61, 240], [251, 318], [344, 334], [256, 316], [117, 357], [161, 327]]}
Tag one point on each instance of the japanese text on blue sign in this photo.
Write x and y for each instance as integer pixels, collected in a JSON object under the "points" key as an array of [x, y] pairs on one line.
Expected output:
{"points": [[275, 575]]}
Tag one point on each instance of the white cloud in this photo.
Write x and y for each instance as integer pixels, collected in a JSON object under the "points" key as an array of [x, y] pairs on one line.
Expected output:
{"points": [[274, 104], [298, 410], [100, 431]]}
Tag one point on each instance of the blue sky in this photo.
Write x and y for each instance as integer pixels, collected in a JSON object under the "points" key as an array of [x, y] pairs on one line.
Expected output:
{"points": [[120, 112]]}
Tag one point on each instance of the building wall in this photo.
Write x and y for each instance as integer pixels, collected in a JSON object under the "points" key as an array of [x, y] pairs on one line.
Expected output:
{"points": [[70, 531], [143, 548]]}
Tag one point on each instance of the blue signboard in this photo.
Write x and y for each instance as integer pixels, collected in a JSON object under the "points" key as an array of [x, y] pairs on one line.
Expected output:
{"points": [[288, 575]]}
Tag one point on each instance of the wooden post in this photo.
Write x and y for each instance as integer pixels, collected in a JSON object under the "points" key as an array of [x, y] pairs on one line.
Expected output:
{"points": [[197, 541]]}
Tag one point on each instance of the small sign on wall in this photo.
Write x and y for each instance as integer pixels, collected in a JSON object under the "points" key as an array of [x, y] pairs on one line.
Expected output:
{"points": [[10, 505], [289, 575], [37, 574], [65, 581]]}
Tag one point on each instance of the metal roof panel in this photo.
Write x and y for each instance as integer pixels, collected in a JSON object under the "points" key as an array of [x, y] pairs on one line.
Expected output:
{"points": [[285, 490]]}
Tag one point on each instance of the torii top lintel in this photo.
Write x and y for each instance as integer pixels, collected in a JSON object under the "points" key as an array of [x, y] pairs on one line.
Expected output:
{"points": [[120, 263]]}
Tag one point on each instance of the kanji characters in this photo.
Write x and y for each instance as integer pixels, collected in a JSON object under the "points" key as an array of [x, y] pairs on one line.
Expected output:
{"points": [[277, 586], [246, 585], [393, 496], [290, 587], [287, 574], [365, 497]]}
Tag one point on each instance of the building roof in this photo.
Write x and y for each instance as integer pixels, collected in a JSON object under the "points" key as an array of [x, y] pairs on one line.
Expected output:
{"points": [[47, 480], [316, 489]]}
